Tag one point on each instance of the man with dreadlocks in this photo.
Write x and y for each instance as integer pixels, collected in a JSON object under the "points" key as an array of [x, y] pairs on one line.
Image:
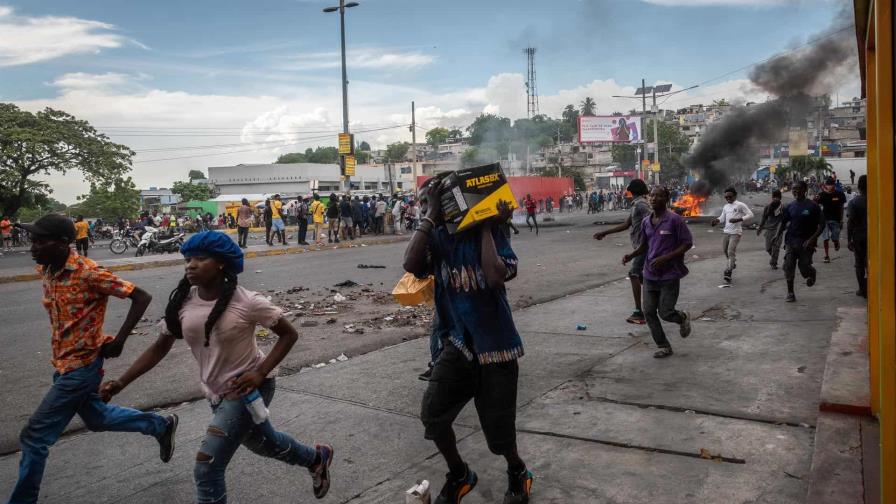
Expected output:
{"points": [[217, 319], [75, 293]]}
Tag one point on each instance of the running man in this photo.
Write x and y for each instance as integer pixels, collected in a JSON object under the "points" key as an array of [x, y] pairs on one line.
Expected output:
{"points": [[857, 235], [76, 292], [734, 213], [771, 219], [803, 222], [665, 239], [216, 318], [832, 201], [479, 358], [531, 209], [639, 210]]}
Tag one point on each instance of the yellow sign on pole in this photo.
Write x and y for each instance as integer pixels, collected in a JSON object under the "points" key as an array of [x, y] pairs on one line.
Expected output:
{"points": [[655, 167], [349, 166], [345, 143], [773, 169]]}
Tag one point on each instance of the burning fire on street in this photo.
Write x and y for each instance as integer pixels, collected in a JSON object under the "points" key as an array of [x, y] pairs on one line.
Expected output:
{"points": [[689, 205]]}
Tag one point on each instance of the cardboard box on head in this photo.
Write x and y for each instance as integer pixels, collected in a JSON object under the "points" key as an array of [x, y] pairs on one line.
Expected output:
{"points": [[471, 195]]}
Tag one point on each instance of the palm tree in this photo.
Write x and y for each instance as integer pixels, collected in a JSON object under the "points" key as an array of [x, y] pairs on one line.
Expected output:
{"points": [[588, 107], [805, 166]]}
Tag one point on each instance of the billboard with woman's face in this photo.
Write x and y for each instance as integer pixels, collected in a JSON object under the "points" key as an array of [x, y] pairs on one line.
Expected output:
{"points": [[618, 129]]}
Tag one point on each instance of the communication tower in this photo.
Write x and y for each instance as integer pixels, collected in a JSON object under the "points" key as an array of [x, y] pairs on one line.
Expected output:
{"points": [[531, 89]]}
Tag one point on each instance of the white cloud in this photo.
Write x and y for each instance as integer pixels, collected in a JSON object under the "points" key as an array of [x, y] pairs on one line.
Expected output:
{"points": [[368, 58], [82, 80], [25, 40], [703, 3], [259, 128]]}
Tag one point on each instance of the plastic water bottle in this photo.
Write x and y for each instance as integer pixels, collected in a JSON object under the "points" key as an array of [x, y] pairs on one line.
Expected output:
{"points": [[255, 404]]}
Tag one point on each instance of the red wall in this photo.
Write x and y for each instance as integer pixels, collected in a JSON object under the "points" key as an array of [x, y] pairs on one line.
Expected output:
{"points": [[539, 187]]}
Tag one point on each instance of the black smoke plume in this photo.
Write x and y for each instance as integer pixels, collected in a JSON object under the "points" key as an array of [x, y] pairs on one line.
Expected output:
{"points": [[729, 148]]}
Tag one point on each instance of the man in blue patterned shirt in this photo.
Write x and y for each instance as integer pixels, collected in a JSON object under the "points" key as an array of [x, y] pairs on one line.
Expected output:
{"points": [[479, 359]]}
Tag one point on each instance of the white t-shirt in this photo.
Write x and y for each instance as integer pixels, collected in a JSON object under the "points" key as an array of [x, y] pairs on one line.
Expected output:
{"points": [[231, 349], [736, 210]]}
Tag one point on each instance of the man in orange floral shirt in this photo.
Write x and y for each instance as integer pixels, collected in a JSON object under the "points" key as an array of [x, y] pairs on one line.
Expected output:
{"points": [[75, 294]]}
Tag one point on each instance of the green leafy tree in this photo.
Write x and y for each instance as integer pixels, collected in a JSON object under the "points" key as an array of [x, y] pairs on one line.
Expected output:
{"points": [[489, 128], [588, 107], [455, 135], [475, 156], [364, 146], [437, 136], [292, 157], [121, 198], [46, 205], [324, 155], [189, 191], [396, 152], [196, 175], [37, 145], [673, 146], [720, 103], [626, 155], [806, 166]]}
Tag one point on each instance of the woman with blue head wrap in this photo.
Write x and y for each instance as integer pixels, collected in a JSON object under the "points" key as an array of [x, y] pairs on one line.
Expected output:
{"points": [[217, 319]]}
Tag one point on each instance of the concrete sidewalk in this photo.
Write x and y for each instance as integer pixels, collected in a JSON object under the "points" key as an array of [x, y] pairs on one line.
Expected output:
{"points": [[729, 418]]}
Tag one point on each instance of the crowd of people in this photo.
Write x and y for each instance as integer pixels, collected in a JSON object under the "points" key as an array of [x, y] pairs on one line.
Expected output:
{"points": [[474, 344]]}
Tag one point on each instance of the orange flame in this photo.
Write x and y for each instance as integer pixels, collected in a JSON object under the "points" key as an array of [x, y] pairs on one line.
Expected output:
{"points": [[689, 205]]}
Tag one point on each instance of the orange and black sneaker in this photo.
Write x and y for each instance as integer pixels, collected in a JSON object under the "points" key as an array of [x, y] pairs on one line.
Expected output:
{"points": [[456, 488], [519, 487]]}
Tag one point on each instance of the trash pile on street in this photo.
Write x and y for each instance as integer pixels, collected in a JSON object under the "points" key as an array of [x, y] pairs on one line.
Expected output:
{"points": [[351, 307]]}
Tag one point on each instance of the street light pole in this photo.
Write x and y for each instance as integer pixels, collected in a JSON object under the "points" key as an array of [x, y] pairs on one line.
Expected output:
{"points": [[341, 8]]}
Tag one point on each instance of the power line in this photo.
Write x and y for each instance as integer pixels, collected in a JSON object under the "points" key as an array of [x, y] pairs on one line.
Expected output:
{"points": [[299, 141], [795, 49]]}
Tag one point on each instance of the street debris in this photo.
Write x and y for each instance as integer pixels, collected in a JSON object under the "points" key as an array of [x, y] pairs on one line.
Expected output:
{"points": [[801, 369], [342, 358], [259, 271], [346, 283], [705, 454], [370, 266], [725, 286], [581, 327], [309, 323], [339, 298]]}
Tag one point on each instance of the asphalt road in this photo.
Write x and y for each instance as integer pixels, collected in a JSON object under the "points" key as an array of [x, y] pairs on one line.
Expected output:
{"points": [[559, 261], [21, 258]]}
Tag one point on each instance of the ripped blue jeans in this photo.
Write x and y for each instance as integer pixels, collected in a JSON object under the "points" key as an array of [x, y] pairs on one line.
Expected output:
{"points": [[232, 427]]}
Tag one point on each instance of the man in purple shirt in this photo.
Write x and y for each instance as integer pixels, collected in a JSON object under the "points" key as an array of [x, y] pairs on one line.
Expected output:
{"points": [[665, 238]]}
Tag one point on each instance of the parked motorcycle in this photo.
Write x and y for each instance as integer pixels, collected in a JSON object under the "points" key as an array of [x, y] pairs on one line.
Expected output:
{"points": [[121, 243], [151, 242]]}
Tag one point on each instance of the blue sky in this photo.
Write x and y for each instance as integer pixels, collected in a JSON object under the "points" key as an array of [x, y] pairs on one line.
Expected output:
{"points": [[268, 70]]}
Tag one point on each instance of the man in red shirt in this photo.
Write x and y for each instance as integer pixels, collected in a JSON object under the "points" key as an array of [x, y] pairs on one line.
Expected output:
{"points": [[531, 207]]}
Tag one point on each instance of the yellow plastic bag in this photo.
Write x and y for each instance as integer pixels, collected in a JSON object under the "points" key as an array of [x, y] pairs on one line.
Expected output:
{"points": [[412, 291]]}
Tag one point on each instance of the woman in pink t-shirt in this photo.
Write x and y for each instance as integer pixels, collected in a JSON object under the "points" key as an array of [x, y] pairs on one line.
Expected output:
{"points": [[217, 319]]}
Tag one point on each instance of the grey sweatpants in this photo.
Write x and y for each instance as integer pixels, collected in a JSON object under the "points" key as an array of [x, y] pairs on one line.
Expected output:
{"points": [[729, 246], [772, 245]]}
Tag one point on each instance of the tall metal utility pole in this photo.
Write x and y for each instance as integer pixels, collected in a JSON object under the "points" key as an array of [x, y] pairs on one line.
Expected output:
{"points": [[341, 8], [656, 136], [531, 88], [643, 116], [414, 144]]}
